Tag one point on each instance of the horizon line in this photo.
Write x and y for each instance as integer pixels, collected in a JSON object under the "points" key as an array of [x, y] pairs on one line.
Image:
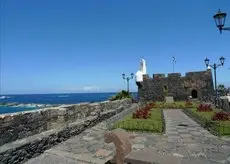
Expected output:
{"points": [[60, 93]]}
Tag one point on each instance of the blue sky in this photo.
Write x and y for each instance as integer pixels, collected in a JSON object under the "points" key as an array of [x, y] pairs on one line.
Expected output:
{"points": [[52, 46]]}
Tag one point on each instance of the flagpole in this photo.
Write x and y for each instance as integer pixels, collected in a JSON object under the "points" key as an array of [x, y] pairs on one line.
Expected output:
{"points": [[174, 61]]}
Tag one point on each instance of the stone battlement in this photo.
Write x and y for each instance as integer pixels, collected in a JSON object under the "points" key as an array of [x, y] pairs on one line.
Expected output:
{"points": [[176, 75]]}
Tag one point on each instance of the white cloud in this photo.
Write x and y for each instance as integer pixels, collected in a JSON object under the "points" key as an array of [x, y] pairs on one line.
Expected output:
{"points": [[91, 88]]}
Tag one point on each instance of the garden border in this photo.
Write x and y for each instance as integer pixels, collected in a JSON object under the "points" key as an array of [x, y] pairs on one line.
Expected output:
{"points": [[205, 123], [163, 121]]}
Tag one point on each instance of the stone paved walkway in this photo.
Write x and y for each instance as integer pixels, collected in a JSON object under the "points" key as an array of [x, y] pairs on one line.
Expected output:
{"points": [[192, 143]]}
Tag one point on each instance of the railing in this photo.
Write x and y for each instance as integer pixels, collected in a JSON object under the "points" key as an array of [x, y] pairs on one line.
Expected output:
{"points": [[111, 121], [143, 126]]}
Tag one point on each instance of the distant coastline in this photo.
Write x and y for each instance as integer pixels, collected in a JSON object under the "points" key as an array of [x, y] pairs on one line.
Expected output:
{"points": [[22, 102]]}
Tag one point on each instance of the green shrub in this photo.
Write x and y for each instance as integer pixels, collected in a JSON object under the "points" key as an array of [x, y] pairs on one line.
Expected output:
{"points": [[121, 95]]}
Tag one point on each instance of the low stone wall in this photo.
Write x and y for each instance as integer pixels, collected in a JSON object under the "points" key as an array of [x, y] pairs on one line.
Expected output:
{"points": [[224, 104], [21, 150], [23, 124]]}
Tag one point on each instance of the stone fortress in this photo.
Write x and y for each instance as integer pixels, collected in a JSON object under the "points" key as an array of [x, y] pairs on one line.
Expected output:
{"points": [[198, 85]]}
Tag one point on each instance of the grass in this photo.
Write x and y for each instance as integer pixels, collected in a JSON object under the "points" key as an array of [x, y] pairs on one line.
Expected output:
{"points": [[152, 124], [221, 127]]}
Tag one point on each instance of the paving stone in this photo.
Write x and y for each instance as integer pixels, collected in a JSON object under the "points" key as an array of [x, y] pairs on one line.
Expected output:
{"points": [[70, 147], [171, 130], [99, 161], [185, 136], [140, 139], [85, 157], [182, 151], [197, 155], [51, 159], [192, 129], [175, 133], [103, 153], [138, 146], [199, 134], [210, 136], [109, 146], [204, 131], [88, 138], [172, 145], [196, 161], [183, 131], [207, 147], [216, 156]]}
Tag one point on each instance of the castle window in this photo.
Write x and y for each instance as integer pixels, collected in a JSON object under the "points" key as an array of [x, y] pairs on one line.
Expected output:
{"points": [[165, 88]]}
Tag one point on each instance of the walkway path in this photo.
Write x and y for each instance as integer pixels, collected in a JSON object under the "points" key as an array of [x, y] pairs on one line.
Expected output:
{"points": [[187, 138], [193, 144]]}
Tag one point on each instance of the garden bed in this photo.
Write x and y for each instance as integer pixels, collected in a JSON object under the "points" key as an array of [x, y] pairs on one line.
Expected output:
{"points": [[152, 124], [205, 119]]}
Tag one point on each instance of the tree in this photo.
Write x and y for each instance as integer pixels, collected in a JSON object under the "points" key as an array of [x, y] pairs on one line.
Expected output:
{"points": [[222, 90], [121, 95]]}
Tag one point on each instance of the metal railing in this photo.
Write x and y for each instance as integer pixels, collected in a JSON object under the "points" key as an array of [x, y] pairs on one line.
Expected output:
{"points": [[111, 121], [140, 125]]}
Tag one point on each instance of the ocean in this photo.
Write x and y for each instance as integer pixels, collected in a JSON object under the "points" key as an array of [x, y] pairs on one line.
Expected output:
{"points": [[52, 99]]}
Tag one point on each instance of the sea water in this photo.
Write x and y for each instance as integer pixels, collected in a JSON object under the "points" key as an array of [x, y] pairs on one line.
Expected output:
{"points": [[50, 99]]}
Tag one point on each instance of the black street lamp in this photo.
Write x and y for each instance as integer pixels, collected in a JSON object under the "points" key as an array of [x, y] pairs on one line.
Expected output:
{"points": [[215, 66], [220, 21], [127, 79]]}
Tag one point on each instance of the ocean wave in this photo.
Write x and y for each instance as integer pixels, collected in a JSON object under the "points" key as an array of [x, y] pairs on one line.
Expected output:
{"points": [[5, 97], [62, 96]]}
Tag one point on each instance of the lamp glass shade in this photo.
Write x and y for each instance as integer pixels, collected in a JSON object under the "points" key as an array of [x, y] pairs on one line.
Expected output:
{"points": [[123, 75], [222, 60], [206, 61], [220, 19], [132, 75]]}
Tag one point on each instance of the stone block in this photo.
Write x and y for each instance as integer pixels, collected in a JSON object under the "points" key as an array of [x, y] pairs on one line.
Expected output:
{"points": [[169, 99]]}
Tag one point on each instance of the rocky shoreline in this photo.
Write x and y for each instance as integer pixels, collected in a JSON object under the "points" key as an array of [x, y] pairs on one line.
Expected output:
{"points": [[30, 105]]}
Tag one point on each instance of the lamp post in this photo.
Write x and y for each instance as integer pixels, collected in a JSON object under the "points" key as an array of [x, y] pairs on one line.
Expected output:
{"points": [[127, 79], [220, 21], [215, 66]]}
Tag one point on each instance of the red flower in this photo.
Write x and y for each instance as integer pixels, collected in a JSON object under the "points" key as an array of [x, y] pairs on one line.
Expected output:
{"points": [[221, 116], [204, 108]]}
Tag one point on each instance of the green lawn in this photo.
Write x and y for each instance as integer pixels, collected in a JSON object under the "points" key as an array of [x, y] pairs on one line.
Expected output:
{"points": [[221, 127], [153, 124]]}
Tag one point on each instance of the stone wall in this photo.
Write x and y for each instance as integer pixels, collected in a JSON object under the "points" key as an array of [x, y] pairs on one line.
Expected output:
{"points": [[224, 104], [23, 124], [20, 151], [156, 88]]}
